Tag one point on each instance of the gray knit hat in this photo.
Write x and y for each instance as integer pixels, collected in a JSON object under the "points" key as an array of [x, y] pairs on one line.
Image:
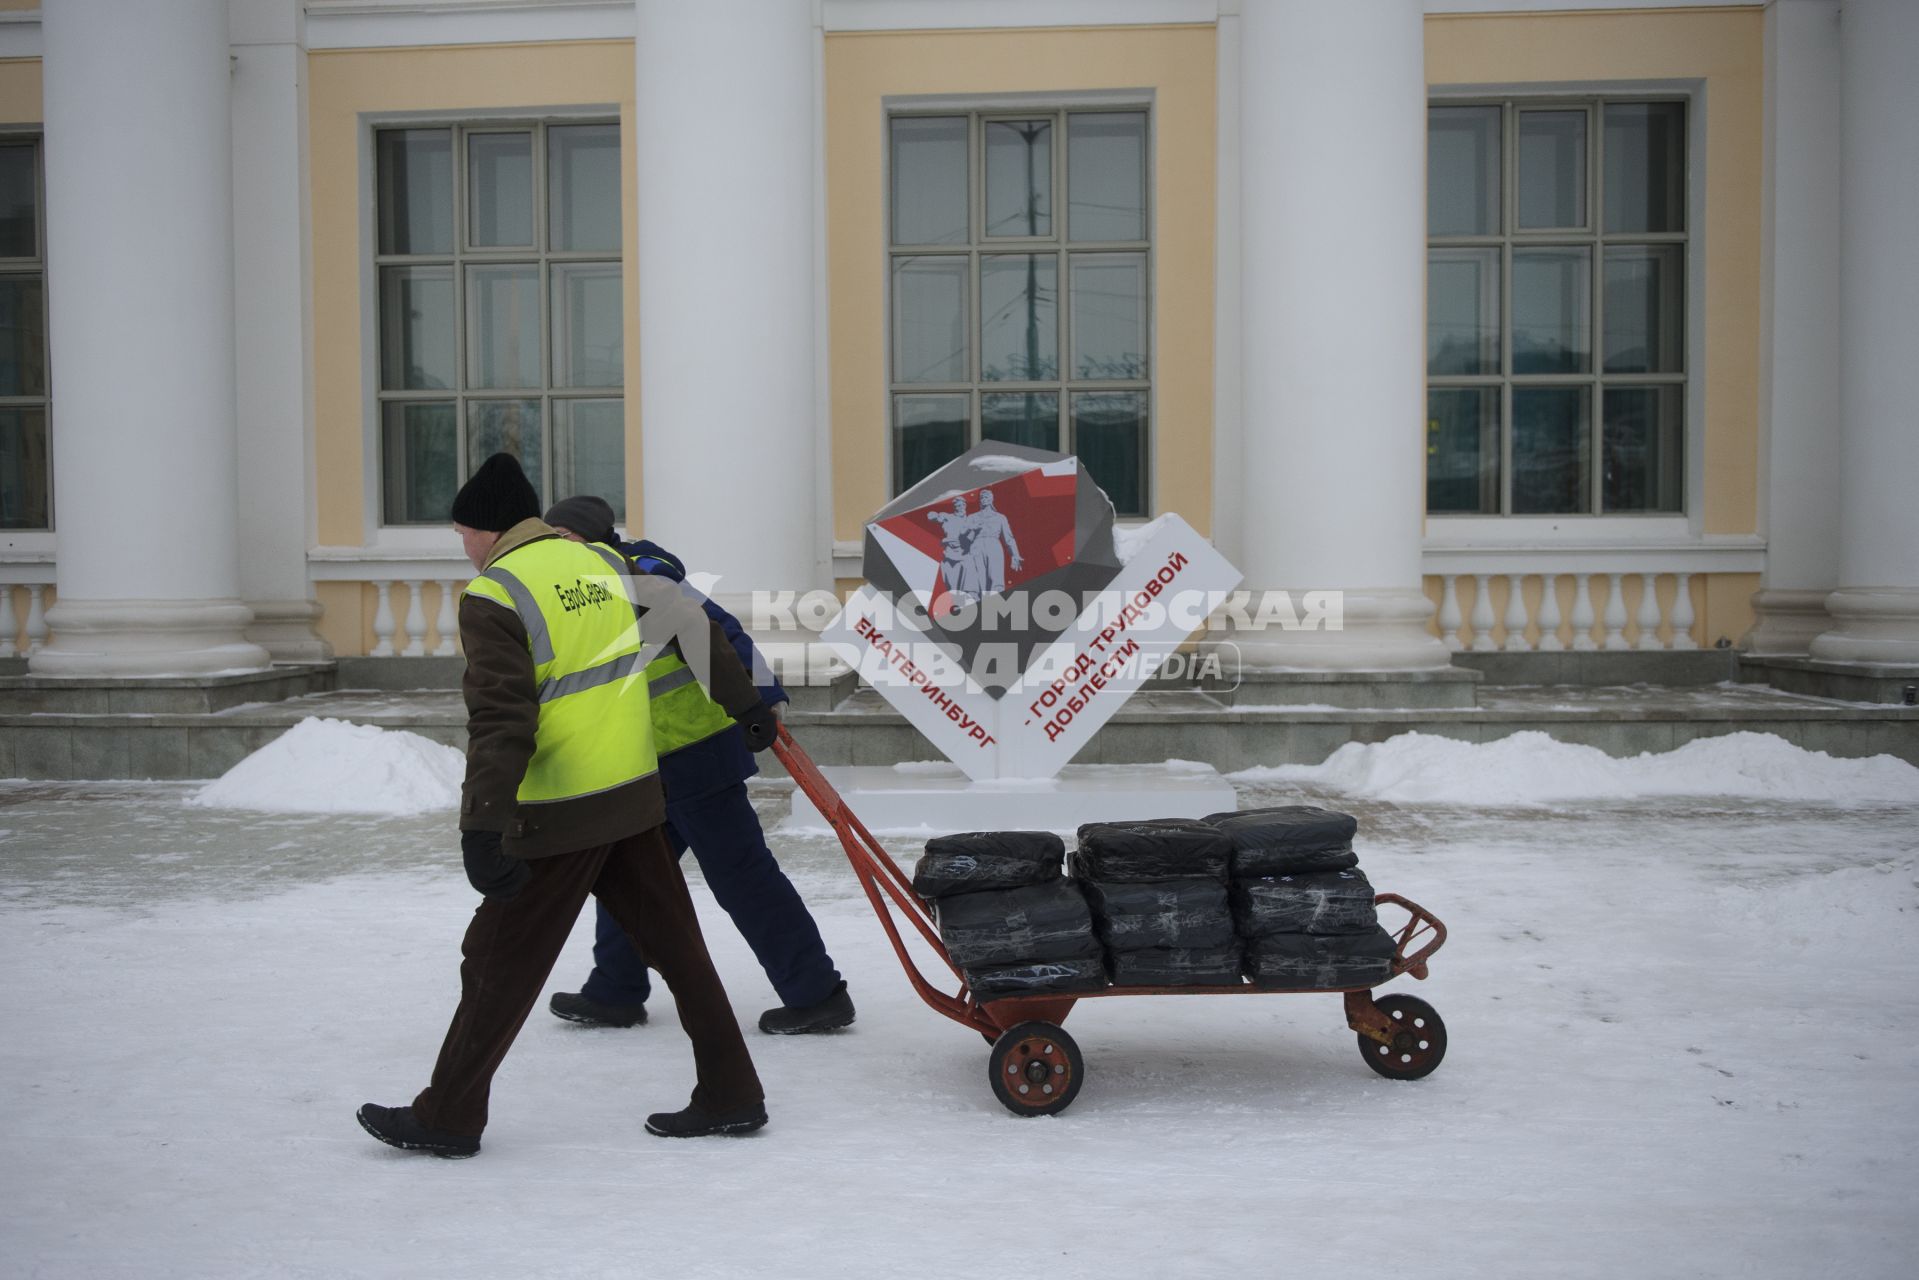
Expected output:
{"points": [[584, 514]]}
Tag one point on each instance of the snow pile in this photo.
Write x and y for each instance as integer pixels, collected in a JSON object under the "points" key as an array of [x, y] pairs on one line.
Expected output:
{"points": [[331, 766], [1128, 543], [1532, 768]]}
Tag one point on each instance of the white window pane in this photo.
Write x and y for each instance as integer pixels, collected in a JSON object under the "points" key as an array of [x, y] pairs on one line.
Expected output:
{"points": [[929, 319], [1552, 310], [583, 186], [1019, 178], [1552, 450], [1109, 315], [23, 469], [1109, 436], [417, 330], [507, 426], [1462, 450], [19, 202], [929, 180], [416, 190], [420, 461], [1462, 311], [1552, 169], [928, 433], [1106, 175], [1645, 309], [1645, 181], [589, 451], [499, 170], [1462, 171], [23, 336], [503, 326], [1643, 449], [1019, 317], [588, 337]]}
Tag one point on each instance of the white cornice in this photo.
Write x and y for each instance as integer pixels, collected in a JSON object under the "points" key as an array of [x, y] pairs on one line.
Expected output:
{"points": [[369, 24]]}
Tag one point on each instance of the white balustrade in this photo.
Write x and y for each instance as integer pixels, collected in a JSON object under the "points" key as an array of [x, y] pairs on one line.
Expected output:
{"points": [[1449, 613], [415, 622], [1482, 613], [400, 618], [9, 625], [383, 622], [445, 624], [1615, 611], [1648, 619], [1583, 613], [1516, 612], [36, 617]]}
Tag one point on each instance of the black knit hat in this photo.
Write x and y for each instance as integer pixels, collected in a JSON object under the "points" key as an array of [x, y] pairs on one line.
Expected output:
{"points": [[498, 496], [584, 514]]}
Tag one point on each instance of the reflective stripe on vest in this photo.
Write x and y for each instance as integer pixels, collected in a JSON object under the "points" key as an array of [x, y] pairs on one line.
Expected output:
{"points": [[595, 728]]}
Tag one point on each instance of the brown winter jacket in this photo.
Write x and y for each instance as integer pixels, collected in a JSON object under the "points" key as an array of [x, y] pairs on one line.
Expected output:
{"points": [[503, 714]]}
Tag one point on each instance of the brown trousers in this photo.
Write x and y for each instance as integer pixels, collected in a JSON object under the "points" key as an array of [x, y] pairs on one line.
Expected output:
{"points": [[512, 943]]}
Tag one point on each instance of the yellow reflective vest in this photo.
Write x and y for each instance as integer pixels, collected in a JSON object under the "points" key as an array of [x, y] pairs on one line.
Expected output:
{"points": [[596, 729], [683, 714]]}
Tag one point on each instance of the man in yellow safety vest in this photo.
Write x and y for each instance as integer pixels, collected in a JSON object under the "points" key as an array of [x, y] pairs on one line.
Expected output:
{"points": [[562, 798]]}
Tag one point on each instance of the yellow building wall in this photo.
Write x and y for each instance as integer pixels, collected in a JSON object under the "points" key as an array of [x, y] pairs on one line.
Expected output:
{"points": [[1178, 65], [1725, 49], [344, 89], [20, 91]]}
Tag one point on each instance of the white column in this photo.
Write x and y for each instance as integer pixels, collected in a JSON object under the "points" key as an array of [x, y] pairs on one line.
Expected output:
{"points": [[139, 228], [726, 148], [273, 391], [1799, 391], [1332, 160], [1876, 609]]}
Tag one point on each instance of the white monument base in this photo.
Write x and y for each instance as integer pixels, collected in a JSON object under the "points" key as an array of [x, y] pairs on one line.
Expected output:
{"points": [[934, 797]]}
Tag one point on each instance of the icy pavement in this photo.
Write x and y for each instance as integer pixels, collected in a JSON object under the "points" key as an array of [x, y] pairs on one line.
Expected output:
{"points": [[1683, 1037]]}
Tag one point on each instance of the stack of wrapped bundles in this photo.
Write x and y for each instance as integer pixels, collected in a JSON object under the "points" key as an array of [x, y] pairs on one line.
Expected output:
{"points": [[1008, 921], [1300, 902], [1158, 894]]}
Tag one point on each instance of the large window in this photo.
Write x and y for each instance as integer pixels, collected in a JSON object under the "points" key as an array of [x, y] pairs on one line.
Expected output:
{"points": [[1020, 284], [1555, 307], [25, 463], [500, 310]]}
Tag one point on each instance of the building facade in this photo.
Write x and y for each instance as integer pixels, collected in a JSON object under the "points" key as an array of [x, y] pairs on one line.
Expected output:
{"points": [[1521, 325]]}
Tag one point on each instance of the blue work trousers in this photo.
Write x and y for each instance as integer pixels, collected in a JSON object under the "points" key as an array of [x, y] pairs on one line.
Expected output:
{"points": [[724, 834]]}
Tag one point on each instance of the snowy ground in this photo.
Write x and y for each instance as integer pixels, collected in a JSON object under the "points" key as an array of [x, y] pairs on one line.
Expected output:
{"points": [[1683, 1037]]}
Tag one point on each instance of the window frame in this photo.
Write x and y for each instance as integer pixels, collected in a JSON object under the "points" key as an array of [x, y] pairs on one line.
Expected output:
{"points": [[979, 112], [1592, 99], [34, 537], [421, 535]]}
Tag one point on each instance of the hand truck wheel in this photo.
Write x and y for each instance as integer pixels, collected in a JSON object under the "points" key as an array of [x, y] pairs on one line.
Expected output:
{"points": [[1036, 1069], [1419, 1039]]}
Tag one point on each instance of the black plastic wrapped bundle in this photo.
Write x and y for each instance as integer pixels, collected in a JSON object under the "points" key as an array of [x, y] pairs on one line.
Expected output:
{"points": [[1038, 977], [1288, 839], [1016, 926], [1321, 960], [1322, 902], [1158, 849], [973, 861], [1177, 966], [1160, 913]]}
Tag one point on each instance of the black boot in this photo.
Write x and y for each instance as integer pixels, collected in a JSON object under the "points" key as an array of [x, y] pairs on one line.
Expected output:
{"points": [[830, 1014], [575, 1007], [697, 1122], [399, 1127]]}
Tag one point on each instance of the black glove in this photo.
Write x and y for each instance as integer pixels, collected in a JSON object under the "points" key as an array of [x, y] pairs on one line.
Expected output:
{"points": [[760, 727], [489, 870]]}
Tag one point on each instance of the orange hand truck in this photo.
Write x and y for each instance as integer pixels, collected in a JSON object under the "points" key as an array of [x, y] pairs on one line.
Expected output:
{"points": [[1035, 1068]]}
